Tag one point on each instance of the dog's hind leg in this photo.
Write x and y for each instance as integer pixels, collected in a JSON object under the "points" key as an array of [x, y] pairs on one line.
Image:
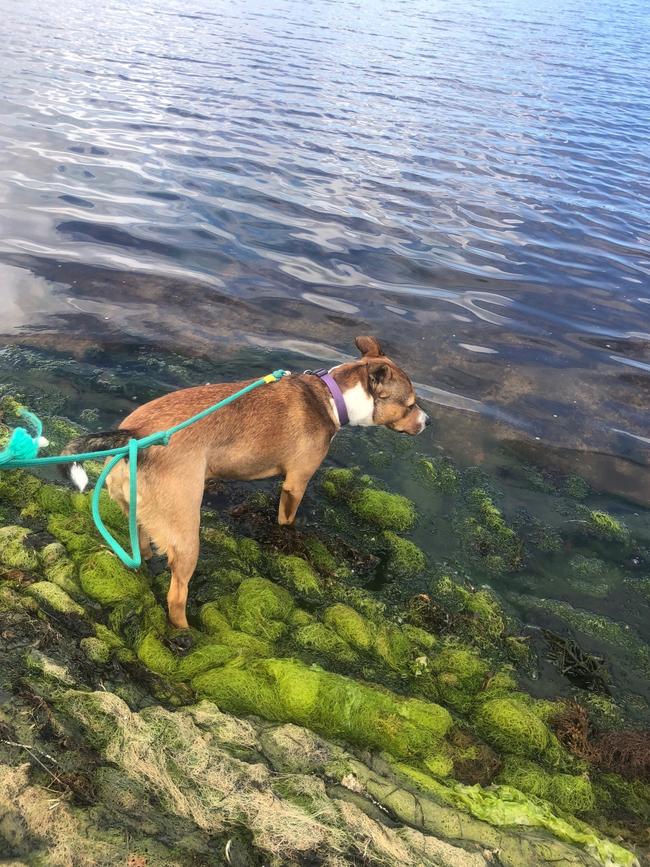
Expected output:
{"points": [[144, 540], [117, 484], [172, 522], [182, 561]]}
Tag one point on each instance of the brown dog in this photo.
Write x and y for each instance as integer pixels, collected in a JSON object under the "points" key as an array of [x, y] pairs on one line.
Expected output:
{"points": [[280, 429]]}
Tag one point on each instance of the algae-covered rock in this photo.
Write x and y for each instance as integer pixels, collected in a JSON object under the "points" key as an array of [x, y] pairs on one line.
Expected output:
{"points": [[350, 625], [509, 725], [379, 508], [323, 640], [96, 650], [459, 674], [299, 575], [53, 597], [104, 578], [438, 474], [45, 666], [258, 654], [405, 559], [335, 706], [504, 806], [487, 534], [177, 760], [572, 794], [606, 527], [13, 551], [32, 832], [295, 750], [383, 509], [262, 608]]}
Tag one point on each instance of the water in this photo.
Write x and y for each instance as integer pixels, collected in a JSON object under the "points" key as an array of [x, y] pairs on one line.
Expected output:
{"points": [[192, 192]]}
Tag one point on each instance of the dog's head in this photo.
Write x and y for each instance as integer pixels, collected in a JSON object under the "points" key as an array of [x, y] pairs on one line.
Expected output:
{"points": [[378, 392]]}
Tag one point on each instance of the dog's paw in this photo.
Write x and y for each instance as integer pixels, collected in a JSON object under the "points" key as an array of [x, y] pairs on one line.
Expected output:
{"points": [[181, 641]]}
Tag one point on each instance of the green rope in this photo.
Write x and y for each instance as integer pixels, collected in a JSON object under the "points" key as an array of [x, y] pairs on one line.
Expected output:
{"points": [[22, 449]]}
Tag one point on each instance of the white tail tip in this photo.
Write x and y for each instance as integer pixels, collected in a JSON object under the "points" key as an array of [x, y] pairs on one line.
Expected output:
{"points": [[79, 476]]}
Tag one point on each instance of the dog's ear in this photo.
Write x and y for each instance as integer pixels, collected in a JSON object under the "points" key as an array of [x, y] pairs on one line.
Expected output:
{"points": [[378, 374], [368, 346]]}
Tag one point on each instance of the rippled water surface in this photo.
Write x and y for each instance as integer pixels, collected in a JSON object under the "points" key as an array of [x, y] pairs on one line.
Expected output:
{"points": [[251, 184]]}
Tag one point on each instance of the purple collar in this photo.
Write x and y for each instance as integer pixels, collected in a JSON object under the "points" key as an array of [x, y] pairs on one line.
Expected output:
{"points": [[337, 395]]}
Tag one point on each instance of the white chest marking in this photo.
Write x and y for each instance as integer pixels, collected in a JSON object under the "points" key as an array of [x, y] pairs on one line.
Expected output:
{"points": [[360, 406]]}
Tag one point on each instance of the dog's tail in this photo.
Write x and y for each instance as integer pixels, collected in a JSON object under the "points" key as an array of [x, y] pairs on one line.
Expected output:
{"points": [[92, 442]]}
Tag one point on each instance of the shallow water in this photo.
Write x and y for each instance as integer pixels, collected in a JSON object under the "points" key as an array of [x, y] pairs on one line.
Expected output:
{"points": [[196, 192]]}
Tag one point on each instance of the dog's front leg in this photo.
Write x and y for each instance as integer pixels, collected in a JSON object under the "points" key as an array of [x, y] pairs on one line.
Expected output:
{"points": [[293, 490]]}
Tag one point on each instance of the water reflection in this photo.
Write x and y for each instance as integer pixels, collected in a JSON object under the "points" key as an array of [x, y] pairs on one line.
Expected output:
{"points": [[470, 182]]}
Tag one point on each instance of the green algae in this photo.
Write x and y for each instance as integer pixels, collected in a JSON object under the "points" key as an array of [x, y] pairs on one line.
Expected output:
{"points": [[203, 659], [96, 650], [53, 499], [351, 626], [338, 482], [104, 578], [603, 525], [575, 487], [604, 713], [487, 535], [262, 609], [299, 575], [439, 474], [572, 794], [509, 725], [215, 623], [18, 488], [76, 532], [405, 560], [459, 675], [376, 507], [63, 572], [333, 705], [213, 619], [617, 795], [156, 656], [507, 806], [383, 509], [591, 576], [13, 551], [324, 641], [475, 616], [395, 648], [54, 598], [322, 560]]}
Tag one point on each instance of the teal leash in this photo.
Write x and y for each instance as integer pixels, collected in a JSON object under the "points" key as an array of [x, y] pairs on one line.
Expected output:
{"points": [[22, 451]]}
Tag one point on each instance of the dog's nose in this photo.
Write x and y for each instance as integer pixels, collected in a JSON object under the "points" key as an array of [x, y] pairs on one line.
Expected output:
{"points": [[427, 420]]}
